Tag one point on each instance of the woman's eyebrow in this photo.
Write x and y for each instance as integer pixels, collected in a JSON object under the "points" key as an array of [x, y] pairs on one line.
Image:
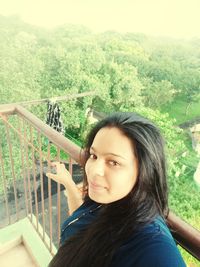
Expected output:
{"points": [[109, 153]]}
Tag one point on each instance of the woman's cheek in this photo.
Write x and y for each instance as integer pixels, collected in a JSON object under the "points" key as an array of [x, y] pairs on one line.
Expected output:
{"points": [[87, 167]]}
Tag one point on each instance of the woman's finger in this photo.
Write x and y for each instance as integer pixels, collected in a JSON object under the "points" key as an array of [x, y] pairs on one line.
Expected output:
{"points": [[58, 165], [52, 176], [55, 163]]}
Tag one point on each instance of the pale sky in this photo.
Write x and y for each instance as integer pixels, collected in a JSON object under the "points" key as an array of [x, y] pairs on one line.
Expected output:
{"points": [[175, 18]]}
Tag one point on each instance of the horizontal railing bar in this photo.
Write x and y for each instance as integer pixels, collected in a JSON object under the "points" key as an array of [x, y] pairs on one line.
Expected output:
{"points": [[186, 235], [7, 109], [30, 144], [57, 99], [59, 140]]}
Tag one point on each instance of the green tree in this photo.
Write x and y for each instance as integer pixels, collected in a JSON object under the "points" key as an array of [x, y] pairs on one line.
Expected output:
{"points": [[123, 86], [157, 94], [20, 68]]}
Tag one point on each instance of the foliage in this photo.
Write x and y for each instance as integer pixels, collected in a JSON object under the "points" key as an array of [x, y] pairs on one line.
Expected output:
{"points": [[123, 86], [181, 111], [171, 135], [158, 93], [149, 75]]}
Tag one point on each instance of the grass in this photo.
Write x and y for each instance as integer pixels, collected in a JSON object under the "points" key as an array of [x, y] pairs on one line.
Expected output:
{"points": [[178, 110], [190, 261], [188, 210]]}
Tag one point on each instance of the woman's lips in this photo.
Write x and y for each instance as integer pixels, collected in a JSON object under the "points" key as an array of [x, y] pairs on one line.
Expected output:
{"points": [[95, 186]]}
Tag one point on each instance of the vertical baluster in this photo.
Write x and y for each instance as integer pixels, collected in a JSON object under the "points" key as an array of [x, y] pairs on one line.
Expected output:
{"points": [[70, 166], [34, 177], [58, 199], [28, 169], [50, 199], [4, 186], [12, 170], [42, 187], [23, 165]]}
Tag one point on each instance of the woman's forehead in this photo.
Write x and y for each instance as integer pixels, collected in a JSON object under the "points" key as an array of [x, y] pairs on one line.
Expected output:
{"points": [[112, 140]]}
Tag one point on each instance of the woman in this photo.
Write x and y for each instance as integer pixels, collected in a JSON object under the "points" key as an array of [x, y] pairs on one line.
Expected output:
{"points": [[120, 221]]}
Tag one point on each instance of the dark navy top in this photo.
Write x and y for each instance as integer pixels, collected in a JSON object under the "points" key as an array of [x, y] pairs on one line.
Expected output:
{"points": [[151, 246]]}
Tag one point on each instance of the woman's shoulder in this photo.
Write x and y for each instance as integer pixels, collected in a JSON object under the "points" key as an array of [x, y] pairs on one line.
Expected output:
{"points": [[152, 245], [81, 210], [149, 233], [87, 204], [78, 220]]}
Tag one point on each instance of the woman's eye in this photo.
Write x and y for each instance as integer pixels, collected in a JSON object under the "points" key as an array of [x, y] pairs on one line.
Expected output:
{"points": [[92, 156], [113, 163]]}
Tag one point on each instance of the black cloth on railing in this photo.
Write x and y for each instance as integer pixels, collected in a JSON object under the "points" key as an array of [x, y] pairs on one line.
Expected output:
{"points": [[54, 117]]}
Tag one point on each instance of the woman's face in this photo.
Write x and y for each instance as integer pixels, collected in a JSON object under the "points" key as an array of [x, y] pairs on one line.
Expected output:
{"points": [[112, 167]]}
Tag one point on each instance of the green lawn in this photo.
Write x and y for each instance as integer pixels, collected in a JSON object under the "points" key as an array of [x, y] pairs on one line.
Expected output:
{"points": [[186, 189], [178, 110]]}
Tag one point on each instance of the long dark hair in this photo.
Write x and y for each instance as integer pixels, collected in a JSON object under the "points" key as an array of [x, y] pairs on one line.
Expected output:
{"points": [[117, 221]]}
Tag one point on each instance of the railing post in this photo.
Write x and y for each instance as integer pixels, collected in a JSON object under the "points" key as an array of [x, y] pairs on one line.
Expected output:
{"points": [[34, 179], [27, 168], [12, 170], [41, 183], [4, 185], [23, 167]]}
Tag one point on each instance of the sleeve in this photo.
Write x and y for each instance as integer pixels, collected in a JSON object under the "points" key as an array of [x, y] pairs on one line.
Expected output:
{"points": [[154, 252], [159, 255]]}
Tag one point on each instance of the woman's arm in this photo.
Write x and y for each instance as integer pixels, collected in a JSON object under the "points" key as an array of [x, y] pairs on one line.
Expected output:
{"points": [[74, 195]]}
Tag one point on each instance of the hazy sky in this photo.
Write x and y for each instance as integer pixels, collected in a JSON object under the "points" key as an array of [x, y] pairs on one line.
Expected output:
{"points": [[176, 18]]}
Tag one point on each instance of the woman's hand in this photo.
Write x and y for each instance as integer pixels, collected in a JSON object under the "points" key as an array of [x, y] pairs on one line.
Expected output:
{"points": [[62, 175]]}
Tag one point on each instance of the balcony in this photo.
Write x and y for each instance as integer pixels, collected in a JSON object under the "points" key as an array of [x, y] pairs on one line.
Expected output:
{"points": [[32, 206]]}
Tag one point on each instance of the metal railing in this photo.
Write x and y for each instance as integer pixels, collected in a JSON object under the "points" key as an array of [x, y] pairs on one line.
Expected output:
{"points": [[27, 146]]}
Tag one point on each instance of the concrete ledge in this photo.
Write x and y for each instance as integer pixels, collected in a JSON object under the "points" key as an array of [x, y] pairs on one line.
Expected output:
{"points": [[24, 232], [4, 247]]}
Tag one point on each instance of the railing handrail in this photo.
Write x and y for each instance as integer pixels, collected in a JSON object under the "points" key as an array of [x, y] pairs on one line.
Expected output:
{"points": [[58, 139], [185, 234], [55, 98], [6, 109]]}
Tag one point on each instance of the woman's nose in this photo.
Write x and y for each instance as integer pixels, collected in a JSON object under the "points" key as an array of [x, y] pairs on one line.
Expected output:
{"points": [[98, 168]]}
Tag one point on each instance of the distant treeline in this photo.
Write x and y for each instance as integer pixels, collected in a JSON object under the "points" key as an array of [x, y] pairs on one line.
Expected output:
{"points": [[125, 69]]}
